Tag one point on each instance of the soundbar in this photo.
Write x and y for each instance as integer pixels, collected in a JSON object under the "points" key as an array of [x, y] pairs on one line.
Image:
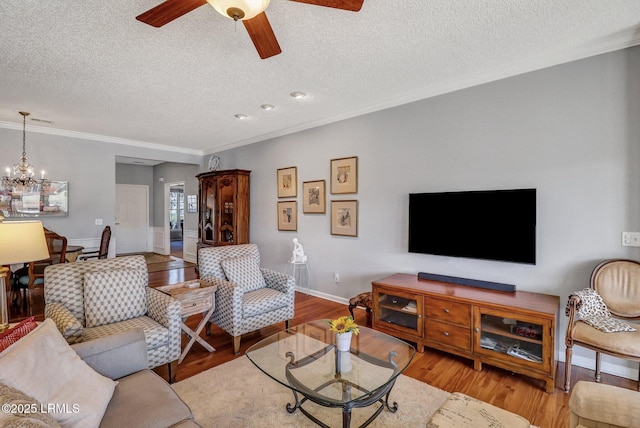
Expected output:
{"points": [[498, 286]]}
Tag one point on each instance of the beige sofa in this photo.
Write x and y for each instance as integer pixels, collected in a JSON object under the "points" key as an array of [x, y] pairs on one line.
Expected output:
{"points": [[140, 398], [596, 405]]}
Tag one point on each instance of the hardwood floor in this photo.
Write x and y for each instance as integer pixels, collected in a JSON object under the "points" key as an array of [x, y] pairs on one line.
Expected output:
{"points": [[516, 393]]}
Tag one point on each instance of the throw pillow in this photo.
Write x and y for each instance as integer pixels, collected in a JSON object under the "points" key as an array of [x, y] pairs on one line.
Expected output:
{"points": [[20, 410], [114, 295], [15, 333], [43, 366], [244, 271]]}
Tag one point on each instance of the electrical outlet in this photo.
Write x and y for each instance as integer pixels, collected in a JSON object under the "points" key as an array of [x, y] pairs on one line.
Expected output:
{"points": [[631, 239], [336, 277], [98, 222]]}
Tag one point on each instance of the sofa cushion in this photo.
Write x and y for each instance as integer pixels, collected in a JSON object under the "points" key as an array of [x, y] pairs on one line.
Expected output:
{"points": [[114, 295], [23, 411], [244, 271], [43, 365], [263, 300], [156, 335], [15, 333], [144, 390]]}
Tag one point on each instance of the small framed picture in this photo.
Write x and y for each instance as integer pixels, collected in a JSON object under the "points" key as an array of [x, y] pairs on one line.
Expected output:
{"points": [[288, 182], [344, 175], [344, 218], [192, 204], [314, 197], [288, 215]]}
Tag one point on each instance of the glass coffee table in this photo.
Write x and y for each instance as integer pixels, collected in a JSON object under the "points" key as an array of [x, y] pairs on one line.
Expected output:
{"points": [[304, 358]]}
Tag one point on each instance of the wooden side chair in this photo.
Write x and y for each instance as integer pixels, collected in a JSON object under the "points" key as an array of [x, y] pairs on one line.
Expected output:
{"points": [[617, 282], [103, 251], [30, 279]]}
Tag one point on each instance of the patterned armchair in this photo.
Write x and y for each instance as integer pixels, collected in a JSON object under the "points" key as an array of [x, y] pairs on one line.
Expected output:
{"points": [[97, 298], [248, 297]]}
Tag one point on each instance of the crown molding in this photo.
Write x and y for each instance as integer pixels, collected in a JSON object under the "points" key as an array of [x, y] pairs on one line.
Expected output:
{"points": [[619, 41], [102, 138]]}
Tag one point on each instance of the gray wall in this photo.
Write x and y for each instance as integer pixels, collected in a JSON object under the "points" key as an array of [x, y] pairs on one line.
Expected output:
{"points": [[90, 168], [569, 131]]}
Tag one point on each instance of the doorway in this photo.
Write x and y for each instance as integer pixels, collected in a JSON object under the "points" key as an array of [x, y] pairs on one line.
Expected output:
{"points": [[132, 218], [176, 207]]}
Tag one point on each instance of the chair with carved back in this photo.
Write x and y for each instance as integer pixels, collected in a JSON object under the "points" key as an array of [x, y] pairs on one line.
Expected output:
{"points": [[103, 251], [30, 278], [617, 282]]}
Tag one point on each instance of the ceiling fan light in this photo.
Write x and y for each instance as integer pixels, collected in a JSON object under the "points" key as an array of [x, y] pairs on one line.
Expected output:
{"points": [[239, 9]]}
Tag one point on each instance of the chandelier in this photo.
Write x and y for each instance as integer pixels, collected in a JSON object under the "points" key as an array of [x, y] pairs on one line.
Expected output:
{"points": [[21, 175]]}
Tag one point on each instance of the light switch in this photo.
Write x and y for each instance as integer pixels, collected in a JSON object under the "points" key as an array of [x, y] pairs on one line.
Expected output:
{"points": [[98, 222]]}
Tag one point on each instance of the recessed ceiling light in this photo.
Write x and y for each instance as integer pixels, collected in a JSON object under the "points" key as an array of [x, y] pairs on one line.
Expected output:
{"points": [[267, 107], [240, 116], [298, 95]]}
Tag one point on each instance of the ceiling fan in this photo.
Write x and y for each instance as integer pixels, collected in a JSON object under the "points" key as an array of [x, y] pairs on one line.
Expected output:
{"points": [[250, 12]]}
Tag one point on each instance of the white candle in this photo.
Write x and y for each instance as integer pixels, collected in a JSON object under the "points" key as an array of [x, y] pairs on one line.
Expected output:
{"points": [[42, 174], [8, 171]]}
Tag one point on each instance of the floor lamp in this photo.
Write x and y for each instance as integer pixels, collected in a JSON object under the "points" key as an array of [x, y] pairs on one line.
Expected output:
{"points": [[20, 242]]}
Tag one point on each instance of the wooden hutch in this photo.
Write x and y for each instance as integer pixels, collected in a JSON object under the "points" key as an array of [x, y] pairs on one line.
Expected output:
{"points": [[223, 209]]}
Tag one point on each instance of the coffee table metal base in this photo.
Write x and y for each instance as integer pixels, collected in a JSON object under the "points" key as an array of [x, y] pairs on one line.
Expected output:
{"points": [[381, 395]]}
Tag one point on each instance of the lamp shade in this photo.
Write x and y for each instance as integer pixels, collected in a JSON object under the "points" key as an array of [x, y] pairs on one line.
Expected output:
{"points": [[21, 242], [239, 9]]}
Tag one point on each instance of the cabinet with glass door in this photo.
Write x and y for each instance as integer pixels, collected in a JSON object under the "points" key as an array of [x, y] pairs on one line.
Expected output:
{"points": [[398, 313]]}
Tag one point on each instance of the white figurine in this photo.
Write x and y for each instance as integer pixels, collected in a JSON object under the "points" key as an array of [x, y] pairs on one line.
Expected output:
{"points": [[298, 252]]}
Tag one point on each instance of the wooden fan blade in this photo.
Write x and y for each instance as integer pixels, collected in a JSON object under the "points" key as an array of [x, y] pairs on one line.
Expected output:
{"points": [[262, 36], [168, 11], [352, 5]]}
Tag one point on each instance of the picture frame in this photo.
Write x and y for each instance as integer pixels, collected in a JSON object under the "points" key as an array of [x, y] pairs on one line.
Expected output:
{"points": [[288, 182], [344, 175], [50, 199], [314, 197], [287, 214], [344, 218], [192, 204]]}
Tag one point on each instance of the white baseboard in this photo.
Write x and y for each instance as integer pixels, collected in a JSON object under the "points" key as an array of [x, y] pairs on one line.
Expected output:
{"points": [[93, 244]]}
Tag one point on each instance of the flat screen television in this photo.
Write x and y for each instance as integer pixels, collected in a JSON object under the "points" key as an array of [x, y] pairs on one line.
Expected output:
{"points": [[485, 224]]}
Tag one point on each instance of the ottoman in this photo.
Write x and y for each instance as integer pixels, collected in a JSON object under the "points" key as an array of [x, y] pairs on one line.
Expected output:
{"points": [[462, 411]]}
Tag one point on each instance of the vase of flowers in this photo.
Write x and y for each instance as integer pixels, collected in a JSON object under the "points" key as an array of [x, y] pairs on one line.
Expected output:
{"points": [[344, 327]]}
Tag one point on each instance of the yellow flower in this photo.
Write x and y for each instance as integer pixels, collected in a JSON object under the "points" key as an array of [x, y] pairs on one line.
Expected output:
{"points": [[344, 325]]}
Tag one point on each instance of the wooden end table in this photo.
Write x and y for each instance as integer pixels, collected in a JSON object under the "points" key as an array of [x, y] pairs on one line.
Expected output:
{"points": [[196, 297]]}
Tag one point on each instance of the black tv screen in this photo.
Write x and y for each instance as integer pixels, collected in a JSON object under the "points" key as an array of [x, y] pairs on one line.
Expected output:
{"points": [[486, 224]]}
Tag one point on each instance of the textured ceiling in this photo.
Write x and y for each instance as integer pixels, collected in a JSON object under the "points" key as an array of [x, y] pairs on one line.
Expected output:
{"points": [[96, 72]]}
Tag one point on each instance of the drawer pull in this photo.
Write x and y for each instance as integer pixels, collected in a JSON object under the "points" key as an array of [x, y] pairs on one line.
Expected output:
{"points": [[446, 311], [476, 329], [446, 333]]}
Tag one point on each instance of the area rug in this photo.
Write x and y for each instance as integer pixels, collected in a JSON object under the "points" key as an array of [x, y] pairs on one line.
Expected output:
{"points": [[238, 394]]}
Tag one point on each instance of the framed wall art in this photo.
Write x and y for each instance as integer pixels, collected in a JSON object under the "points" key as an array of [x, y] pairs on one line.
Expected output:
{"points": [[344, 218], [314, 197], [344, 175], [288, 182], [288, 215], [192, 204], [48, 200]]}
